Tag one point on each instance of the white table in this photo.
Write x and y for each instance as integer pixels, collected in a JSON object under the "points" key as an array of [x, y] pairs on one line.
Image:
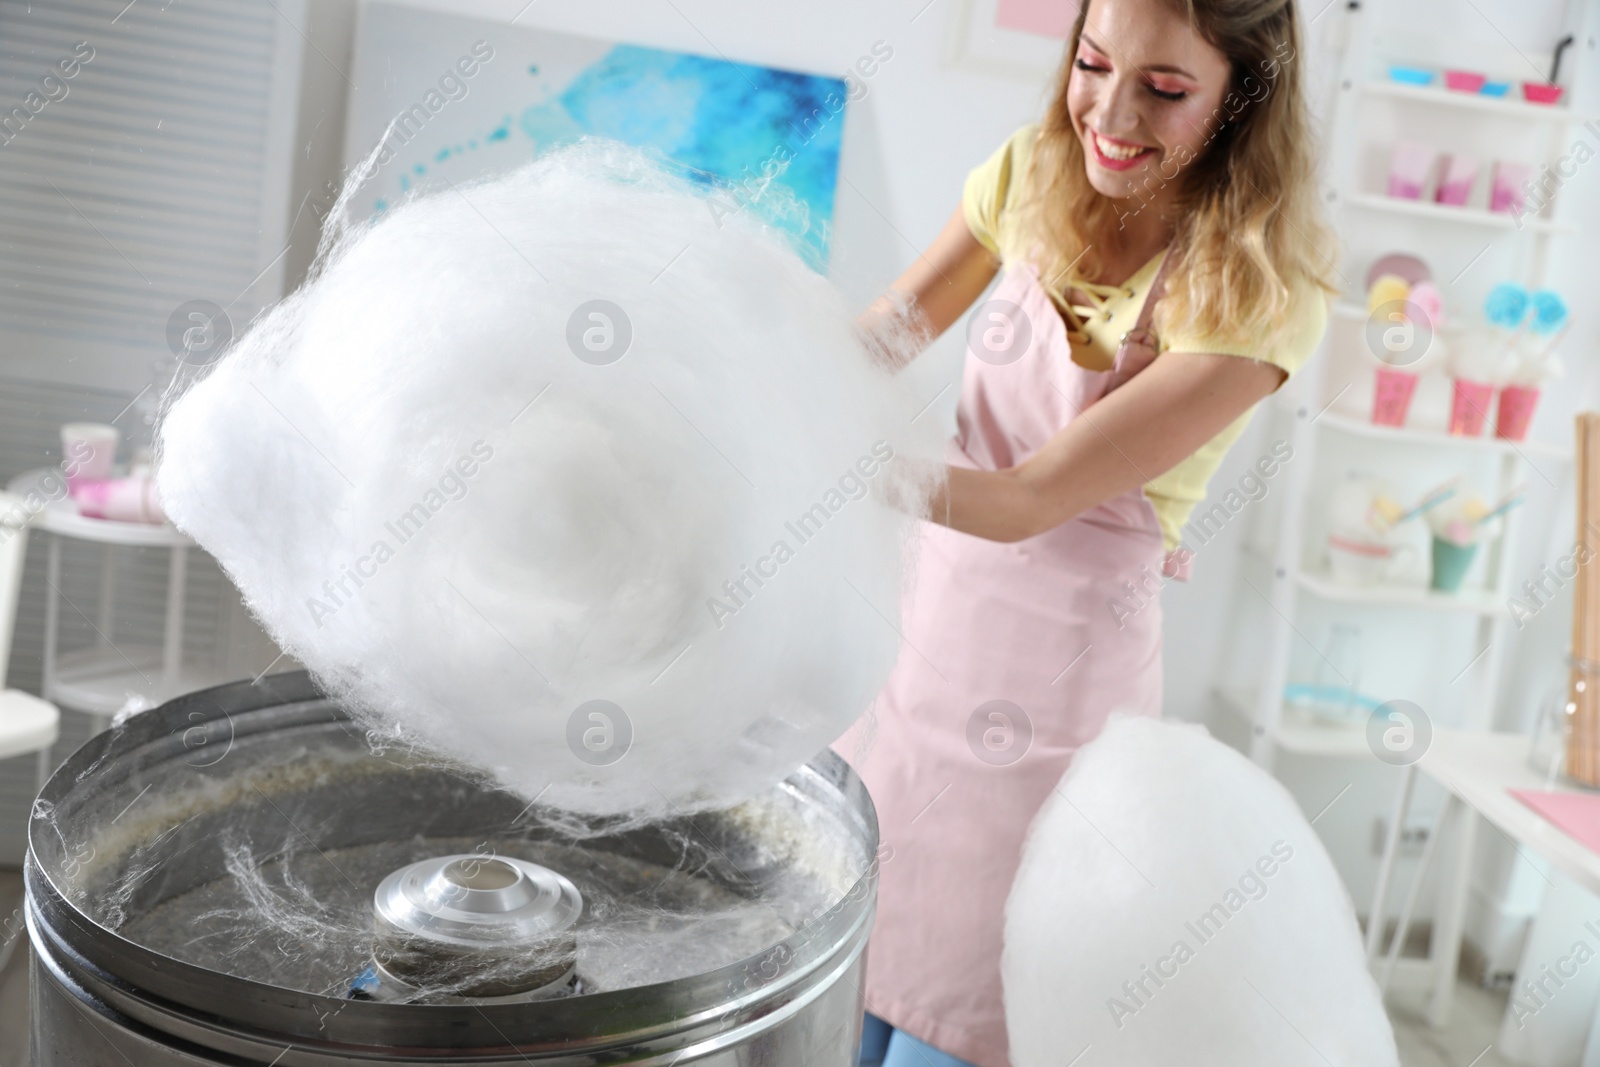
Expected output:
{"points": [[1478, 771], [100, 681]]}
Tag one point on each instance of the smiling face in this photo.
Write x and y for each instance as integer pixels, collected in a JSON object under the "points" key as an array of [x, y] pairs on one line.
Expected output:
{"points": [[1142, 95]]}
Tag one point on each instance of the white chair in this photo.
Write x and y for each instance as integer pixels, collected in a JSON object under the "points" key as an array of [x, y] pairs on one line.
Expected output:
{"points": [[27, 724]]}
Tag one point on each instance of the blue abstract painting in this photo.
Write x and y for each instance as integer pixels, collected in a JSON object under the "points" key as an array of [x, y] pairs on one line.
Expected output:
{"points": [[768, 139]]}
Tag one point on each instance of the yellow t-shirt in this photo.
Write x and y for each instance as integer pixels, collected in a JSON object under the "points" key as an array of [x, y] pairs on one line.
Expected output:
{"points": [[1175, 493]]}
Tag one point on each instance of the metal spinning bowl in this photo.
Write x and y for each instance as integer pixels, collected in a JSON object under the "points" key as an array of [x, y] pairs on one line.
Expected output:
{"points": [[235, 877]]}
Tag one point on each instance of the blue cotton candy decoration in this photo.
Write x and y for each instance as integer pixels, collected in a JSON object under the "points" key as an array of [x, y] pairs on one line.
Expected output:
{"points": [[1506, 305], [1549, 311]]}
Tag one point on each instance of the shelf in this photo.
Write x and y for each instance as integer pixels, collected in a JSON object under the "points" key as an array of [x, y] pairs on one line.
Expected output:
{"points": [[102, 681], [1503, 106], [1298, 732], [1424, 209], [1355, 312], [1405, 435], [1468, 601], [1455, 325]]}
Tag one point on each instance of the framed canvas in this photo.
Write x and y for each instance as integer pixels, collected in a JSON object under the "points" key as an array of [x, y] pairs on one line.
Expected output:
{"points": [[456, 98]]}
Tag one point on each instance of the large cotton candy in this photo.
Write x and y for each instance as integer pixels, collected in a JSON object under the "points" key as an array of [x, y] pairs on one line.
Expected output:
{"points": [[1175, 907], [439, 492]]}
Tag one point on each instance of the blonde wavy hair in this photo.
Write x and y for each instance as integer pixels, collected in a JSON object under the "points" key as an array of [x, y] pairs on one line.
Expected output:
{"points": [[1249, 230]]}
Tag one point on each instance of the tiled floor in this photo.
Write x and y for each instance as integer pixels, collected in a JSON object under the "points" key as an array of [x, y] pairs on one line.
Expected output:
{"points": [[1474, 1022], [1465, 1044]]}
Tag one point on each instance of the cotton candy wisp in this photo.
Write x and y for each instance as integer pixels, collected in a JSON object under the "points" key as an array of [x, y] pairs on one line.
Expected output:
{"points": [[569, 477], [1173, 905]]}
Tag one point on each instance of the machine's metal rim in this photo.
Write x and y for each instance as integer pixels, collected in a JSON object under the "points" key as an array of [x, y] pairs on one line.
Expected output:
{"points": [[138, 976]]}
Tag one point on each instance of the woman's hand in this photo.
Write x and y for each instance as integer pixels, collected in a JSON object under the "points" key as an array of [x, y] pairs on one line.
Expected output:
{"points": [[1156, 420], [1146, 427], [932, 293]]}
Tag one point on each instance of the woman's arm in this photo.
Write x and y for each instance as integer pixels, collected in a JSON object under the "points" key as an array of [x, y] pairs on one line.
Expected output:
{"points": [[934, 291], [1146, 427]]}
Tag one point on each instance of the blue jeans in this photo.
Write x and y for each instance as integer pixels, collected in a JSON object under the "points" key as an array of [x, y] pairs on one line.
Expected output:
{"points": [[884, 1046]]}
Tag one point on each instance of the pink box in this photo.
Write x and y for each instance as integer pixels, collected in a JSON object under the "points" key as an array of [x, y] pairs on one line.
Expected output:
{"points": [[1456, 180], [1409, 168], [131, 499], [1541, 93], [1463, 81], [1505, 188]]}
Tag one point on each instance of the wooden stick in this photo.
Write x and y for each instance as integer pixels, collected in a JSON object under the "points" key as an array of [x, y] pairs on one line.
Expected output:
{"points": [[1576, 764], [1583, 716], [1583, 743]]}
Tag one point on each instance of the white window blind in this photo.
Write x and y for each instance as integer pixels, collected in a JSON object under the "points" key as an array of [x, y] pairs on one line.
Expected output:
{"points": [[156, 172]]}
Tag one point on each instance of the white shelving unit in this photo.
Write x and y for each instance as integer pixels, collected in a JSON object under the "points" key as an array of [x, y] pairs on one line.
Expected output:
{"points": [[1295, 579], [1331, 413]]}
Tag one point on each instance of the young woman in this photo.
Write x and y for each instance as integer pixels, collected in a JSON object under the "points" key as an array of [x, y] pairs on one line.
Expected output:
{"points": [[1162, 271]]}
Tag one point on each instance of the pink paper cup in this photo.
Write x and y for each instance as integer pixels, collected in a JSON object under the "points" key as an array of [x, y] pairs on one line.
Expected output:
{"points": [[1392, 397], [1469, 407], [88, 450], [1515, 412]]}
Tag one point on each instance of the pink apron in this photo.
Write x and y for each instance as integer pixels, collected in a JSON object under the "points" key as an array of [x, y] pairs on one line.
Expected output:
{"points": [[1012, 658]]}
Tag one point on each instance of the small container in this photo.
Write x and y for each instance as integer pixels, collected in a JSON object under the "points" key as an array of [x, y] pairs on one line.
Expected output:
{"points": [[1469, 407], [1450, 564], [1547, 752], [1464, 81], [1410, 75], [1459, 175], [1406, 267], [1409, 168], [1338, 677], [1392, 396], [1515, 411], [131, 499], [1364, 561], [1506, 194], [1495, 88], [1541, 93], [88, 450]]}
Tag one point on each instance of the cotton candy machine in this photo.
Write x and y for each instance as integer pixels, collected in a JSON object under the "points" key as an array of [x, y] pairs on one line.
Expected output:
{"points": [[237, 877]]}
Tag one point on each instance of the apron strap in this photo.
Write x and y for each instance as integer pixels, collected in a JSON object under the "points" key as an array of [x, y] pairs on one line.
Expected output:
{"points": [[1140, 345], [1158, 289], [1138, 350]]}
